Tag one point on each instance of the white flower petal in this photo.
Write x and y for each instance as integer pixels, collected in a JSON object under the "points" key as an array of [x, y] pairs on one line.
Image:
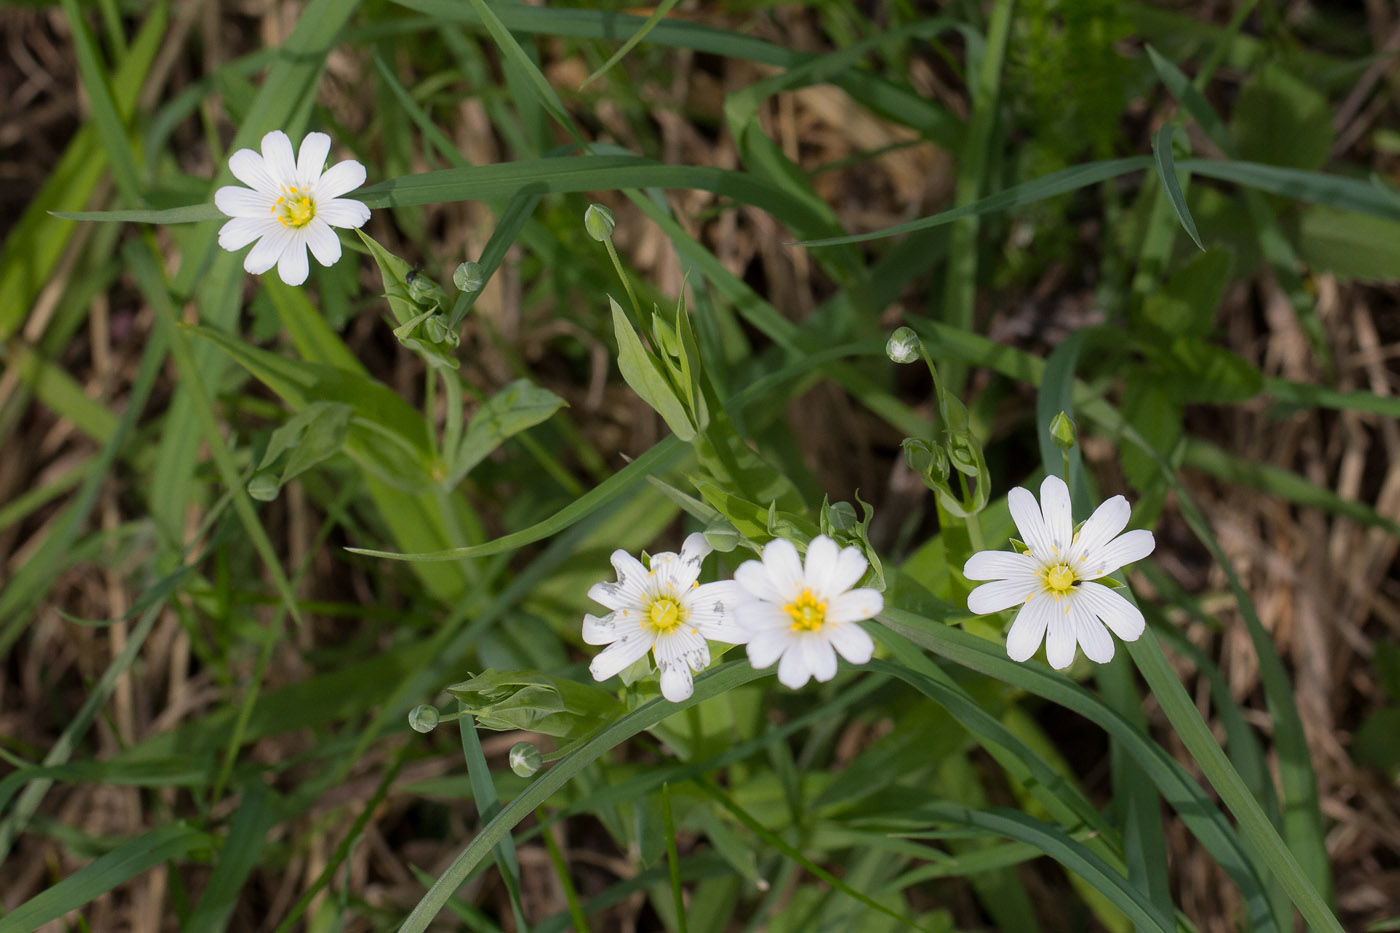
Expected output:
{"points": [[1060, 636], [694, 550], [818, 657], [1089, 631], [999, 565], [850, 567], [1058, 514], [680, 571], [620, 655], [1122, 550], [854, 606], [311, 157], [267, 251], [278, 160], [1002, 594], [852, 641], [240, 231], [712, 608], [606, 630], [1108, 519], [822, 553], [1025, 512], [793, 670], [756, 615], [236, 201], [677, 654], [325, 245], [248, 167], [629, 592], [1028, 631], [784, 569], [753, 577], [1122, 617], [766, 646], [338, 179], [682, 646], [342, 212], [292, 265], [677, 683]]}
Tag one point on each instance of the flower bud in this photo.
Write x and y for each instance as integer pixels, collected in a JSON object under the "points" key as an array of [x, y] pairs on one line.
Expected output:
{"points": [[903, 345], [599, 222], [425, 291], [435, 329], [722, 536], [1062, 431], [423, 718], [841, 516], [469, 277], [525, 759], [264, 486]]}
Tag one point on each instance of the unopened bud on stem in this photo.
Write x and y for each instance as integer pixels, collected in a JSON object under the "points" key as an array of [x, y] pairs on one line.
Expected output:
{"points": [[599, 222]]}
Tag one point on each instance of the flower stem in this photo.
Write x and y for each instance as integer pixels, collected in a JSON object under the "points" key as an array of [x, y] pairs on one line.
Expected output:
{"points": [[626, 282]]}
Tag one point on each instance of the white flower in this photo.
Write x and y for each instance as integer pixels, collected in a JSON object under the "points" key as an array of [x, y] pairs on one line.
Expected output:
{"points": [[662, 610], [800, 614], [1053, 581], [292, 205]]}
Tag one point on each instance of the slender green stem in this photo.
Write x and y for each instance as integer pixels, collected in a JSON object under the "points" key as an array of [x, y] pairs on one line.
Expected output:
{"points": [[673, 858], [452, 425], [627, 284], [974, 530], [561, 871]]}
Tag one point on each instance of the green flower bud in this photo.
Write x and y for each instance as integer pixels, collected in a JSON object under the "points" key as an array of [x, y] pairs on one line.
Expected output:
{"points": [[469, 277], [722, 536], [525, 759], [1062, 431], [425, 292], [423, 718], [841, 516], [903, 345], [919, 454], [435, 329], [264, 486], [599, 222]]}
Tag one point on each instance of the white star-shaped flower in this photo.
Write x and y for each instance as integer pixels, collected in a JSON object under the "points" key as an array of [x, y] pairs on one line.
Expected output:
{"points": [[289, 205], [801, 616], [663, 610], [1053, 581]]}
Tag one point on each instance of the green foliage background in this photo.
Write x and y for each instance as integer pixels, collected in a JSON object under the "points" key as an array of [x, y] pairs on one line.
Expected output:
{"points": [[253, 484]]}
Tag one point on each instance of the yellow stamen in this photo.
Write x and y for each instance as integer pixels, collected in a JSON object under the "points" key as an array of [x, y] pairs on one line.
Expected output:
{"points": [[294, 209], [664, 614], [808, 614], [1059, 578]]}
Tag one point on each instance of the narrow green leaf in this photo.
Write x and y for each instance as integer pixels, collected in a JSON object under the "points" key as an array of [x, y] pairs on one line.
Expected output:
{"points": [[1166, 170], [257, 813], [172, 840], [709, 684], [116, 142], [488, 805], [656, 16], [1048, 186]]}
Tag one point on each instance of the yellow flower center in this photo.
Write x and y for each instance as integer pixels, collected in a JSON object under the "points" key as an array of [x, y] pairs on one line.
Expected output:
{"points": [[808, 614], [295, 208], [665, 614], [1059, 578]]}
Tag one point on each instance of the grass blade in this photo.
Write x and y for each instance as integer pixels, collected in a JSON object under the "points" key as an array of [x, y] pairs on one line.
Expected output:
{"points": [[708, 684], [656, 16], [1166, 170], [169, 841]]}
